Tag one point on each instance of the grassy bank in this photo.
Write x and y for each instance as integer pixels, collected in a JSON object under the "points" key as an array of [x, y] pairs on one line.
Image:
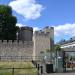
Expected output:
{"points": [[29, 68]]}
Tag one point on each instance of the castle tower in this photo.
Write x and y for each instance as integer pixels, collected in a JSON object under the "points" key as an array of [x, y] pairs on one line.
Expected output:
{"points": [[43, 40], [50, 31], [25, 33]]}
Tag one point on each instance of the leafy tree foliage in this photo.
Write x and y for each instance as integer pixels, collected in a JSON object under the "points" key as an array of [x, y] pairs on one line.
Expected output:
{"points": [[57, 48], [8, 22], [5, 10]]}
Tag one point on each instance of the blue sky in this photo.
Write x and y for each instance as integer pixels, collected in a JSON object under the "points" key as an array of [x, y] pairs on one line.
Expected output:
{"points": [[57, 13]]}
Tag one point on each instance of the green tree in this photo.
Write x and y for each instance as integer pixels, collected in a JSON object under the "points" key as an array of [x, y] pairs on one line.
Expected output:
{"points": [[5, 10], [8, 22], [57, 48]]}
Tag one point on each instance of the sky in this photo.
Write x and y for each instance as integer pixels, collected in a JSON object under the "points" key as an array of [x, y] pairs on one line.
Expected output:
{"points": [[59, 14]]}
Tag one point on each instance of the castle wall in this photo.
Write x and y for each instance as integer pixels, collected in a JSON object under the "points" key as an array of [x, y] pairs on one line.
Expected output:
{"points": [[15, 49]]}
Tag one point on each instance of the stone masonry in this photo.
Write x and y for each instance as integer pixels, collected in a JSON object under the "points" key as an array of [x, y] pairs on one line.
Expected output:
{"points": [[43, 40], [15, 49], [27, 50]]}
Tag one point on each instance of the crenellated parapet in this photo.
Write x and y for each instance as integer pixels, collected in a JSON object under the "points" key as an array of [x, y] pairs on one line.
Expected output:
{"points": [[45, 32], [17, 42], [42, 33]]}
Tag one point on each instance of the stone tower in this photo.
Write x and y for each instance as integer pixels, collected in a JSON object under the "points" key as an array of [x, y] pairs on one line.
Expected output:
{"points": [[25, 33], [43, 40]]}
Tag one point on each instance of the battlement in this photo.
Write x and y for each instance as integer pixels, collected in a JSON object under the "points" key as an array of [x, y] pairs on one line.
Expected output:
{"points": [[27, 28], [47, 27], [41, 33], [45, 32], [16, 42]]}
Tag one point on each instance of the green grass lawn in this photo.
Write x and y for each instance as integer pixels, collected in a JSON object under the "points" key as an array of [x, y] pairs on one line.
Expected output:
{"points": [[28, 71]]}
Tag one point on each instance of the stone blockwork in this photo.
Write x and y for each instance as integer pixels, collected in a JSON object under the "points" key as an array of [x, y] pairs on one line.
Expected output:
{"points": [[15, 49], [43, 40]]}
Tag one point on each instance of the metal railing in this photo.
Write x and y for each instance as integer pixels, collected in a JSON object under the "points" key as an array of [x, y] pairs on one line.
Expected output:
{"points": [[20, 58]]}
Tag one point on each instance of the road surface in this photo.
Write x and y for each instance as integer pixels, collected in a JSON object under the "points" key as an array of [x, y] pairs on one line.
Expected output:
{"points": [[61, 74]]}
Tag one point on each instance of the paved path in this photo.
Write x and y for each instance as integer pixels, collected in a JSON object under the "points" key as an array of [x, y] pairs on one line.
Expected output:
{"points": [[61, 74]]}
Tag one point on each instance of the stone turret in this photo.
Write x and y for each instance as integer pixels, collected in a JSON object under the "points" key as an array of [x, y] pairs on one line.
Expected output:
{"points": [[25, 33]]}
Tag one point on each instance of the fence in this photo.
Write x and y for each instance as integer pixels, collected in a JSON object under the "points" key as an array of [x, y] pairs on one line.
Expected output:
{"points": [[18, 71], [15, 58], [19, 58]]}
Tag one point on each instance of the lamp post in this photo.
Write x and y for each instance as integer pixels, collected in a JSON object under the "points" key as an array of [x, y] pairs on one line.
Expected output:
{"points": [[17, 35], [43, 64], [45, 60]]}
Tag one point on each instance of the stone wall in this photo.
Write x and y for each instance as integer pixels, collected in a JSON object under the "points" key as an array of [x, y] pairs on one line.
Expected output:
{"points": [[15, 49]]}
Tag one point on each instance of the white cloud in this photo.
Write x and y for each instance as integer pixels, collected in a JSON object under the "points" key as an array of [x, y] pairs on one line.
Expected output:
{"points": [[27, 8], [36, 29], [66, 29], [20, 25]]}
